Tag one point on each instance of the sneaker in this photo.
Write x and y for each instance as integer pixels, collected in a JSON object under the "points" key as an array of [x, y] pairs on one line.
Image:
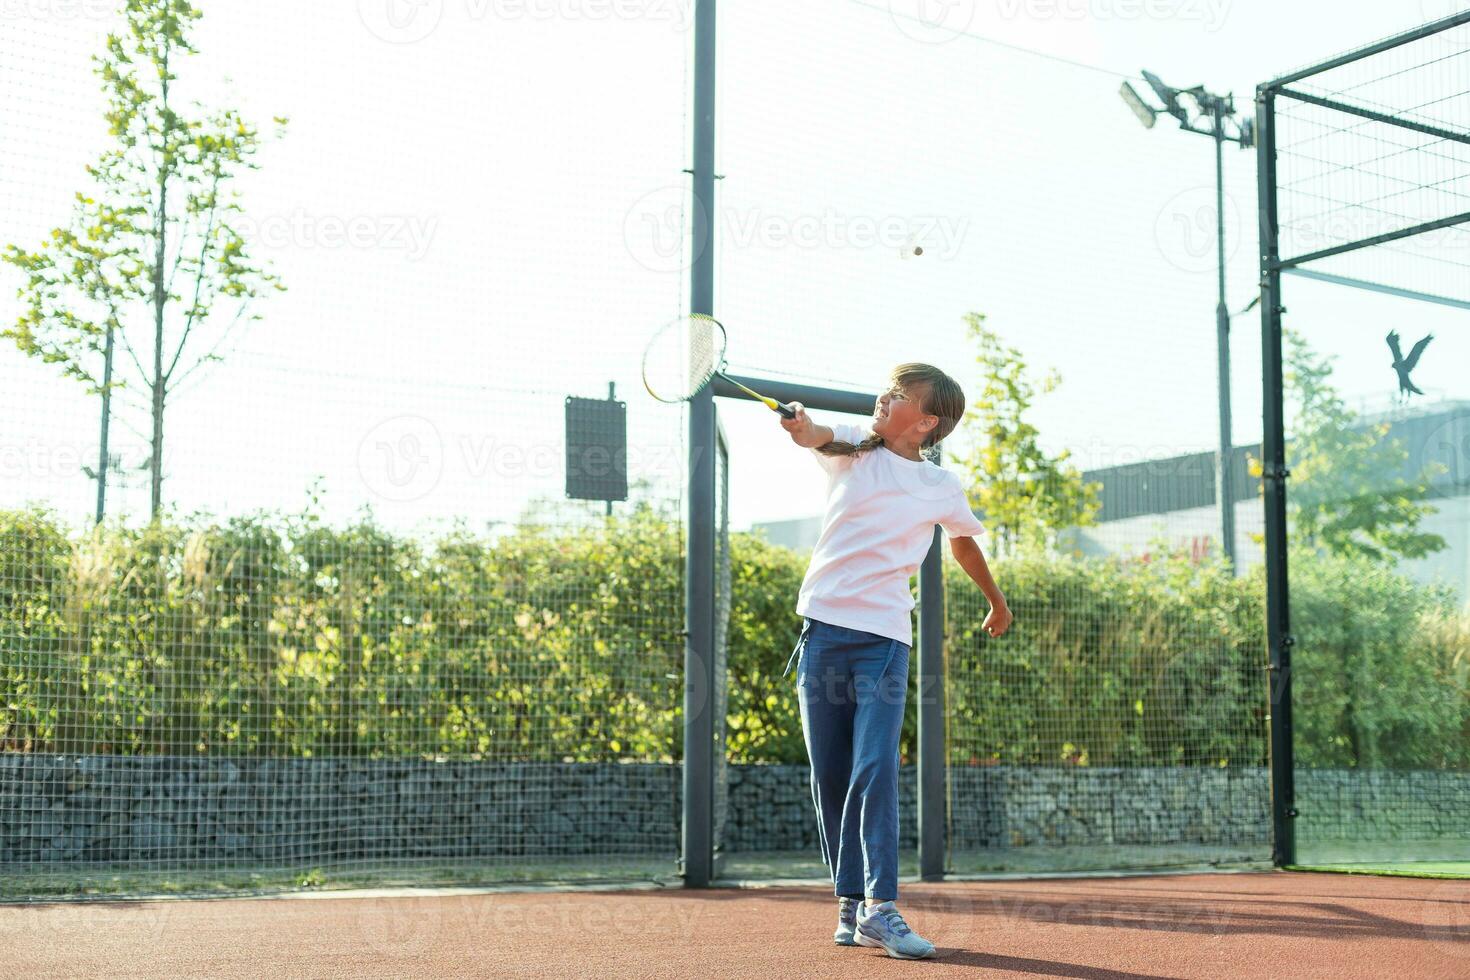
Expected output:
{"points": [[846, 921], [880, 926]]}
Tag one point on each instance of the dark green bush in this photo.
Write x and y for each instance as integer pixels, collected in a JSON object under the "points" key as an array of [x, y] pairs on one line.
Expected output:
{"points": [[1381, 672]]}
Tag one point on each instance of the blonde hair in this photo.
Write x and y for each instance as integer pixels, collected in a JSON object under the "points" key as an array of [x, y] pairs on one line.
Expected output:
{"points": [[942, 398]]}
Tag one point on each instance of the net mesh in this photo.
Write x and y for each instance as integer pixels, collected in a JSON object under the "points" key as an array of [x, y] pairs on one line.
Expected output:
{"points": [[368, 638], [1121, 722], [1377, 441], [1381, 148]]}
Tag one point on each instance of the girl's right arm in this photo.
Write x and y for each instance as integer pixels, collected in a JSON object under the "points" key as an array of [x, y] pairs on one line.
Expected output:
{"points": [[804, 432]]}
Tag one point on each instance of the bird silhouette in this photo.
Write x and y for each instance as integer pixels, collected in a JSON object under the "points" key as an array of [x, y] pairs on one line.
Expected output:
{"points": [[1403, 365]]}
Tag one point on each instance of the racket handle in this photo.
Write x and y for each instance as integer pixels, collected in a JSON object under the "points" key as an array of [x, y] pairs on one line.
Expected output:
{"points": [[786, 410]]}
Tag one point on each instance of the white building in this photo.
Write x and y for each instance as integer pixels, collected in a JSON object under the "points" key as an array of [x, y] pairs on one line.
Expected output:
{"points": [[1175, 497]]}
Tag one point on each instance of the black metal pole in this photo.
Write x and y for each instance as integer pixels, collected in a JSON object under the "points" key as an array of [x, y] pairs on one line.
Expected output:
{"points": [[699, 581], [933, 795], [612, 396], [1273, 451], [106, 424], [1224, 485], [810, 396]]}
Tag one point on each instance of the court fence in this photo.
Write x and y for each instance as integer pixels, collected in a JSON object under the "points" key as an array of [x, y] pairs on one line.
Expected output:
{"points": [[1362, 164]]}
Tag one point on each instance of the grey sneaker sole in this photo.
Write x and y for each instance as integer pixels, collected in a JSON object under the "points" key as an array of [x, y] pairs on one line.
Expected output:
{"points": [[847, 941], [865, 941]]}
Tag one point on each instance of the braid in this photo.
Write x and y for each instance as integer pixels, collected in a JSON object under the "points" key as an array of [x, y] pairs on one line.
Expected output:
{"points": [[836, 448]]}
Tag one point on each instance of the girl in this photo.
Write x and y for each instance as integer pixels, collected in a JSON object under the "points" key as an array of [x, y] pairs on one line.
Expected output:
{"points": [[883, 499]]}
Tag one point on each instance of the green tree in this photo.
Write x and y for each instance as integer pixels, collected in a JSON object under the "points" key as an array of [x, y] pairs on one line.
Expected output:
{"points": [[1347, 496], [152, 248], [1026, 495]]}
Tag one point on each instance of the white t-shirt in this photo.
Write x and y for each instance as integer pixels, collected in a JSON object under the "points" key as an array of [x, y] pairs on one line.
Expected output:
{"points": [[881, 512]]}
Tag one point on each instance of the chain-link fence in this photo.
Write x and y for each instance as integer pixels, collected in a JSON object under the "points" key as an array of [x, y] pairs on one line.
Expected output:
{"points": [[1365, 183]]}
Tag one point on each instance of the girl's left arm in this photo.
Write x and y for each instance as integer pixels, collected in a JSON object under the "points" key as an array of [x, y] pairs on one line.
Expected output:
{"points": [[968, 554]]}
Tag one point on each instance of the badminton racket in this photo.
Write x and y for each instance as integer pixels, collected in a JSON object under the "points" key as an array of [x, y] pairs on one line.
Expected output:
{"points": [[685, 354]]}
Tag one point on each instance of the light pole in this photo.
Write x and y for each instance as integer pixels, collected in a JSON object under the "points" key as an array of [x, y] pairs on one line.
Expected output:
{"points": [[1209, 118]]}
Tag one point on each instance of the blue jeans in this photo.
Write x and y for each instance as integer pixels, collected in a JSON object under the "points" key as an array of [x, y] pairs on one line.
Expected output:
{"points": [[851, 686]]}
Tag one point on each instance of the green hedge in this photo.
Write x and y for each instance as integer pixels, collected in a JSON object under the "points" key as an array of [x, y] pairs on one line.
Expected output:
{"points": [[1111, 662], [1382, 668], [276, 635], [284, 637]]}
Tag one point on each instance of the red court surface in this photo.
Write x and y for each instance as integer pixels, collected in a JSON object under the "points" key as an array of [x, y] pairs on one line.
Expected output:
{"points": [[1269, 924]]}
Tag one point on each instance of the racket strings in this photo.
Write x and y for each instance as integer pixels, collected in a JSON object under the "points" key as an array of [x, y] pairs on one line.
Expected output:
{"points": [[702, 355], [682, 357]]}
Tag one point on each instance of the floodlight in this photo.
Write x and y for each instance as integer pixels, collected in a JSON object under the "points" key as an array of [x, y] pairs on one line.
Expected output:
{"points": [[1146, 113]]}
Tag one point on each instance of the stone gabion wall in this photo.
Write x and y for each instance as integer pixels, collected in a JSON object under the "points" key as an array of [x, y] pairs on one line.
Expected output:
{"points": [[170, 809], [771, 809], [1000, 806], [1384, 805]]}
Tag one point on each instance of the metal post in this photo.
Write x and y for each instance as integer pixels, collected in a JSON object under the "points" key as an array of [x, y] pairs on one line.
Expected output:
{"points": [[612, 396], [106, 423], [699, 562], [933, 794], [1224, 485], [1273, 451]]}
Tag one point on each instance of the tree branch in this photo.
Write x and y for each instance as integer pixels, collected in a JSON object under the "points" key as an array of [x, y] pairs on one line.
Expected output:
{"points": [[122, 335], [224, 335], [199, 276]]}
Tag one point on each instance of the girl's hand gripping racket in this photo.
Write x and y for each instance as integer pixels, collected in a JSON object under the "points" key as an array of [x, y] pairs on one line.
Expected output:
{"points": [[685, 354]]}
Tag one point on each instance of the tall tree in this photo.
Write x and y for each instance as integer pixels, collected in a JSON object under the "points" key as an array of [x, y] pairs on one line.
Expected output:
{"points": [[1347, 494], [1025, 495], [151, 249]]}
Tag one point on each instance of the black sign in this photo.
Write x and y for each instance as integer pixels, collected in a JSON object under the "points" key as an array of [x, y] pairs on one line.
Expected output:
{"points": [[597, 449]]}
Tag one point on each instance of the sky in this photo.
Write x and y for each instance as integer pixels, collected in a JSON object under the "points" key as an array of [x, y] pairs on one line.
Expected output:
{"points": [[478, 209]]}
